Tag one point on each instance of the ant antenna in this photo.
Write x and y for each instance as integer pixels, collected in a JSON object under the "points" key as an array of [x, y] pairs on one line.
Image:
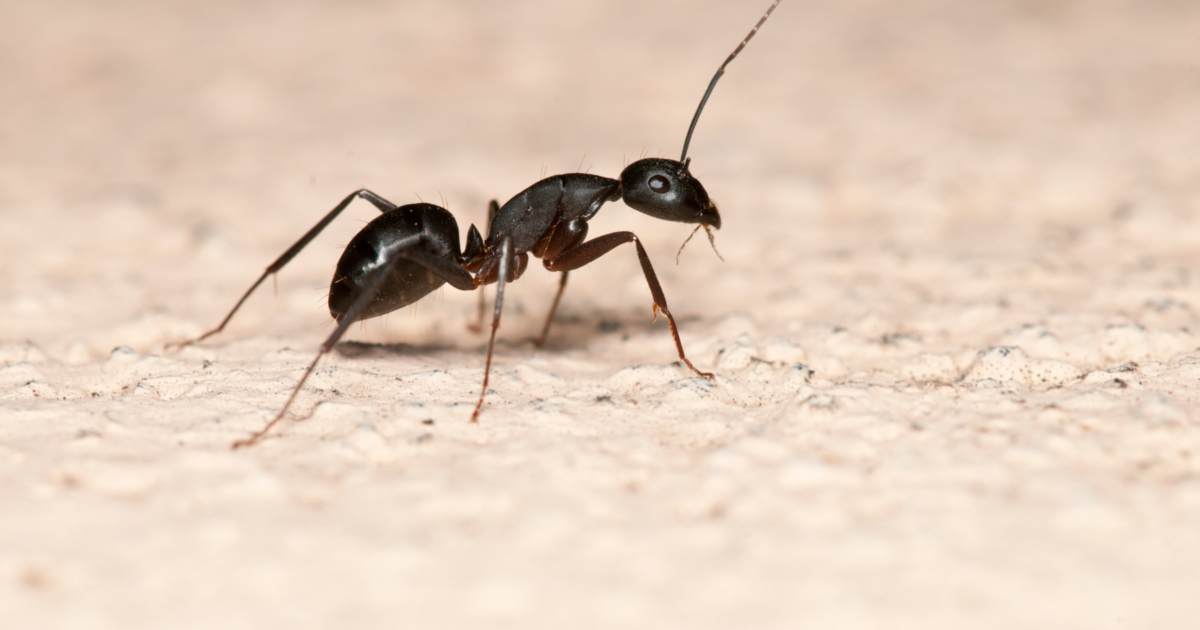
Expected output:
{"points": [[721, 71]]}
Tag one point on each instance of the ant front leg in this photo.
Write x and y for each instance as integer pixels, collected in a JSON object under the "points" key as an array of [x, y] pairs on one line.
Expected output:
{"points": [[458, 277], [589, 251], [379, 202]]}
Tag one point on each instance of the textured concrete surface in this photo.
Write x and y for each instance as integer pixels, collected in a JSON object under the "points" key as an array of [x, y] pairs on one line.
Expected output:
{"points": [[954, 332]]}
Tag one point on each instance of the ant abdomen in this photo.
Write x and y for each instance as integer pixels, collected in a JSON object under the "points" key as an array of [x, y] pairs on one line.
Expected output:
{"points": [[420, 225]]}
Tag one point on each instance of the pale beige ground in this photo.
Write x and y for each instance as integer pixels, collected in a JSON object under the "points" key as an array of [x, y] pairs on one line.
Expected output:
{"points": [[955, 331]]}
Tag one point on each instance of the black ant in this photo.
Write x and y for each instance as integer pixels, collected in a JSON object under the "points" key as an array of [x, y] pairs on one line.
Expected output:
{"points": [[411, 250]]}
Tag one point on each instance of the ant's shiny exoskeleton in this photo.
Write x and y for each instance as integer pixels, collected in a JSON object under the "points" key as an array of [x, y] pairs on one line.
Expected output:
{"points": [[411, 250]]}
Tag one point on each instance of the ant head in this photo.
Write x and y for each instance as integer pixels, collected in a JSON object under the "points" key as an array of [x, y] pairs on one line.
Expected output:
{"points": [[664, 189]]}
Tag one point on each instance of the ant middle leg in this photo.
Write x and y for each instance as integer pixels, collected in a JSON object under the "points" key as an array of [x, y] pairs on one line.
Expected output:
{"points": [[589, 251], [477, 325], [507, 268], [562, 286]]}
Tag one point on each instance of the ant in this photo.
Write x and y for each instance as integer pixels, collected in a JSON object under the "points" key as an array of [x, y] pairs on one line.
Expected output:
{"points": [[411, 250]]}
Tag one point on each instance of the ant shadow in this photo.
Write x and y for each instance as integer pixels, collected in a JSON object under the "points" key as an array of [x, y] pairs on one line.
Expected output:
{"points": [[570, 331], [368, 350]]}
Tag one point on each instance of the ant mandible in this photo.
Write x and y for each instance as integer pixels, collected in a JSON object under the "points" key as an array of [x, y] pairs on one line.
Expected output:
{"points": [[411, 250]]}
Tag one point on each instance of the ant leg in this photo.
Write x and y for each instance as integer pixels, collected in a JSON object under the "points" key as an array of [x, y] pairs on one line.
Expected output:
{"points": [[493, 210], [506, 263], [349, 318], [565, 236], [458, 277], [562, 286], [447, 270], [379, 202], [589, 251], [477, 325]]}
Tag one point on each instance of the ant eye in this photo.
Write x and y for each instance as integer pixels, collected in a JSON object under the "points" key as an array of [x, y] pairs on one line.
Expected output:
{"points": [[659, 184]]}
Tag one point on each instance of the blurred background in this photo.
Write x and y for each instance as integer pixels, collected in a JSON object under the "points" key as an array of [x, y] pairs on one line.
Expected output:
{"points": [[155, 156]]}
